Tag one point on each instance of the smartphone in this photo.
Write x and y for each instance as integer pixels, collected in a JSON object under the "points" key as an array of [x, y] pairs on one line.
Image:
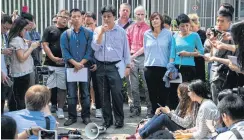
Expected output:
{"points": [[47, 134]]}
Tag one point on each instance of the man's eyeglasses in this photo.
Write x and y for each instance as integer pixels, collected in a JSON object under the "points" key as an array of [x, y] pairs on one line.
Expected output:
{"points": [[5, 27], [140, 14], [64, 17]]}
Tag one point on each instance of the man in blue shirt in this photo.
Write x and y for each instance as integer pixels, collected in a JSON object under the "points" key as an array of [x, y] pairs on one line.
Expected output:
{"points": [[113, 63], [76, 49]]}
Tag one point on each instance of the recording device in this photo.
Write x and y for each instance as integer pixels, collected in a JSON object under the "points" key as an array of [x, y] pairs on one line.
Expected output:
{"points": [[239, 91], [47, 134], [72, 134], [215, 31]]}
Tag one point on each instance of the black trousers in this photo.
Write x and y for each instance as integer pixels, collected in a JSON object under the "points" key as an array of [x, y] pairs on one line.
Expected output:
{"points": [[6, 93], [158, 93], [109, 87], [95, 88], [21, 85]]}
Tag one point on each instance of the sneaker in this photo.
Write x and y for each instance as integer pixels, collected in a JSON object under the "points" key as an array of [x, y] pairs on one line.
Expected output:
{"points": [[99, 113], [53, 108], [135, 113], [60, 113], [93, 107]]}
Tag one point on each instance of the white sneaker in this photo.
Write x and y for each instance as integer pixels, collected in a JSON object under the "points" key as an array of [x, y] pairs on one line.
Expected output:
{"points": [[99, 113], [60, 113], [93, 107]]}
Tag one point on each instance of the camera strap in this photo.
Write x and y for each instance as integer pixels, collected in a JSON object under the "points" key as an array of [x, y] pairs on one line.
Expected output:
{"points": [[47, 123]]}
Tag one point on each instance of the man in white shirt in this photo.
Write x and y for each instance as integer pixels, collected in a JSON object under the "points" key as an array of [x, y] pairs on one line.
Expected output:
{"points": [[231, 108]]}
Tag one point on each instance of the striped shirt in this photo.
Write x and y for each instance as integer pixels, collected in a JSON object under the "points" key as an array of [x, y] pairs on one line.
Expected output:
{"points": [[207, 111]]}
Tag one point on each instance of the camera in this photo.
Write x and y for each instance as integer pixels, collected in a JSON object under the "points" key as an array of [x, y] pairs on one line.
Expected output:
{"points": [[239, 91], [215, 31], [47, 134]]}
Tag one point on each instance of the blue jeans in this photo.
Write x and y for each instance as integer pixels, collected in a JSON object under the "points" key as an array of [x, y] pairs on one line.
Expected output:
{"points": [[156, 123], [72, 99]]}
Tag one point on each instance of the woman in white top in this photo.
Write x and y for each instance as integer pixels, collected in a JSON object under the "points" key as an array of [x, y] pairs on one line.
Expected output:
{"points": [[197, 91], [21, 63]]}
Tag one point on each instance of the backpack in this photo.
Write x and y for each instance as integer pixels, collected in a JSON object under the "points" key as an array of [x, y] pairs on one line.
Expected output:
{"points": [[68, 36]]}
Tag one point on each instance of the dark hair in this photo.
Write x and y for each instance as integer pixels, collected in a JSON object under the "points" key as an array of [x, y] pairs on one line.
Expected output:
{"points": [[27, 16], [237, 32], [182, 18], [83, 12], [92, 15], [153, 15], [233, 106], [18, 26], [108, 8], [226, 10], [75, 10], [6, 18], [167, 19], [8, 127], [199, 87], [224, 93], [185, 104]]}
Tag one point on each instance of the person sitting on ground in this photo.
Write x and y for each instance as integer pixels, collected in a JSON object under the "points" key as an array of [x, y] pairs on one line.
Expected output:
{"points": [[197, 91], [231, 109], [37, 112], [9, 129], [183, 117]]}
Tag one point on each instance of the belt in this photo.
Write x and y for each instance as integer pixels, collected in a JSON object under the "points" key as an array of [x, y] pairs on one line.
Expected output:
{"points": [[108, 63]]}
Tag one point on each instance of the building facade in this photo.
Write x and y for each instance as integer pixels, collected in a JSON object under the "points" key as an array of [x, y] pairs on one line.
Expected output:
{"points": [[43, 10]]}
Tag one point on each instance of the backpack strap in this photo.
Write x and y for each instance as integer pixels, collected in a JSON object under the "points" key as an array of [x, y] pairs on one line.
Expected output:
{"points": [[68, 34], [47, 123], [128, 24], [237, 134]]}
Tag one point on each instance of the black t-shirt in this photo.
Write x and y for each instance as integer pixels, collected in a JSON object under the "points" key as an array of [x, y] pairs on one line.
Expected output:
{"points": [[52, 36], [202, 35]]}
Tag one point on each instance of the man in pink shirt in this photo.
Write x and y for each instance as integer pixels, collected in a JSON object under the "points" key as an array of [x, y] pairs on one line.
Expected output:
{"points": [[135, 35]]}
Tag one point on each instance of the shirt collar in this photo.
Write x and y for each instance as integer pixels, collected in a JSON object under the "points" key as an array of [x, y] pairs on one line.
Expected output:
{"points": [[239, 123]]}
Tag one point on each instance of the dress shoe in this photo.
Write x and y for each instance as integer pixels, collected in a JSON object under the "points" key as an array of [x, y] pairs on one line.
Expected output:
{"points": [[106, 124], [119, 124], [70, 122], [135, 112], [86, 121]]}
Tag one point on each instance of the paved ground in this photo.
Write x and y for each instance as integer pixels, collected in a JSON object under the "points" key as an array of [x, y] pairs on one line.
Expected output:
{"points": [[129, 127]]}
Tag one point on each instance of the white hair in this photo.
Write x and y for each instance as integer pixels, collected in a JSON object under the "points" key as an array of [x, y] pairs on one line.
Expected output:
{"points": [[140, 7]]}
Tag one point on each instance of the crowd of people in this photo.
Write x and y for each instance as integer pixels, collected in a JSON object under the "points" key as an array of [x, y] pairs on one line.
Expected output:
{"points": [[125, 50]]}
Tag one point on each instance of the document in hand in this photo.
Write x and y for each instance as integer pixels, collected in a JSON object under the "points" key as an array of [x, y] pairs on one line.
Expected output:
{"points": [[233, 59], [79, 76], [121, 68], [178, 80]]}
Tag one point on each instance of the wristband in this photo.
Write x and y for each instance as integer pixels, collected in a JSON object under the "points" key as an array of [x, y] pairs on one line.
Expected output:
{"points": [[30, 130]]}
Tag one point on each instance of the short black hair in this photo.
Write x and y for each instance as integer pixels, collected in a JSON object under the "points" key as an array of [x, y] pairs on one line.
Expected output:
{"points": [[224, 93], [200, 88], [8, 127], [108, 8], [92, 15], [182, 18], [167, 19], [226, 10], [6, 18], [233, 106], [75, 10], [27, 16], [83, 12]]}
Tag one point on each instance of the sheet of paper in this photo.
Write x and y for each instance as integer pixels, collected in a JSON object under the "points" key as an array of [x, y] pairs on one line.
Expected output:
{"points": [[233, 59], [80, 76], [121, 68], [178, 80]]}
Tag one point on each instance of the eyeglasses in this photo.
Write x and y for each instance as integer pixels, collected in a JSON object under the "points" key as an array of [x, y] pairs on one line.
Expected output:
{"points": [[64, 17], [140, 14], [5, 27]]}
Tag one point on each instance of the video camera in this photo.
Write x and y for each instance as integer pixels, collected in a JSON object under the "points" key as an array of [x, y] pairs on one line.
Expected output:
{"points": [[215, 32], [72, 134]]}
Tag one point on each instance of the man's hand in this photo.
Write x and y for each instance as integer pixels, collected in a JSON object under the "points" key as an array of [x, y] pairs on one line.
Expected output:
{"points": [[127, 72], [58, 60], [234, 67], [104, 28], [227, 36], [209, 58], [4, 77], [7, 51], [35, 45], [35, 130], [93, 67], [78, 66]]}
